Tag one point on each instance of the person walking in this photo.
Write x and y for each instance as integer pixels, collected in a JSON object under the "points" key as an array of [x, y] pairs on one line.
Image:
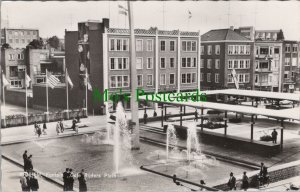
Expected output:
{"points": [[34, 183], [62, 126], [65, 179], [231, 182], [71, 180], [73, 124], [29, 163], [196, 116], [44, 128], [245, 182], [82, 181], [39, 130], [35, 128], [23, 181], [58, 128], [202, 183], [274, 136], [25, 159]]}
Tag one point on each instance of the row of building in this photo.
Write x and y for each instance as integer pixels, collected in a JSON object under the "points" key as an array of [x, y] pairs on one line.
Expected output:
{"points": [[175, 60]]}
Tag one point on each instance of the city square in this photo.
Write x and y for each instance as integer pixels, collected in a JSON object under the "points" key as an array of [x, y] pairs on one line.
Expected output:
{"points": [[111, 104]]}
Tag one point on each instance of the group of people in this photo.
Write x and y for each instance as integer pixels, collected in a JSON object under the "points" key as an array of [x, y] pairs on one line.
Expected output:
{"points": [[29, 181], [262, 178], [38, 131], [60, 127], [69, 178]]}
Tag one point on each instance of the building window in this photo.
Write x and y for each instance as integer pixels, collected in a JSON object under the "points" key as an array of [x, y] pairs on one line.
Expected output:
{"points": [[208, 77], [10, 32], [236, 49], [139, 63], [286, 74], [217, 77], [162, 45], [194, 62], [172, 62], [15, 83], [295, 48], [188, 78], [28, 32], [34, 32], [16, 33], [201, 76], [149, 80], [172, 45], [183, 78], [188, 62], [162, 63], [209, 63], [119, 63], [13, 71], [139, 80], [194, 78], [230, 64], [17, 40], [264, 51], [149, 63], [247, 64], [241, 66], [236, 64], [248, 49], [209, 50], [11, 57], [287, 61], [189, 46], [20, 56], [172, 79], [117, 81], [149, 45], [162, 79], [202, 50], [118, 45], [287, 48], [240, 78], [230, 49], [242, 50], [10, 40], [139, 45], [183, 62], [202, 63], [23, 41], [217, 49], [217, 63]]}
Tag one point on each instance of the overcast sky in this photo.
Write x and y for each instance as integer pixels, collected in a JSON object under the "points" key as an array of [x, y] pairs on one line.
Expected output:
{"points": [[52, 18]]}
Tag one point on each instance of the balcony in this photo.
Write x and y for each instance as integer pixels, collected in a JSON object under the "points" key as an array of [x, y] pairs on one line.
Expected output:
{"points": [[263, 70], [265, 83], [263, 56]]}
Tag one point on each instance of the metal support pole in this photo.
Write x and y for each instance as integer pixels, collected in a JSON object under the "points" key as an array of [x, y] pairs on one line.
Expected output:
{"points": [[184, 110], [225, 129], [165, 112], [252, 126], [202, 119], [180, 116], [281, 135], [162, 115]]}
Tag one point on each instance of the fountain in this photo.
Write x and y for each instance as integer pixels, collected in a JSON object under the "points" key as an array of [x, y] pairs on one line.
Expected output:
{"points": [[192, 143], [171, 139]]}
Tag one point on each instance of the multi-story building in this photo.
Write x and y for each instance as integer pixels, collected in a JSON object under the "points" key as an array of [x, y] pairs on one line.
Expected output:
{"points": [[291, 65], [165, 60], [13, 62], [224, 51], [18, 37], [268, 60]]}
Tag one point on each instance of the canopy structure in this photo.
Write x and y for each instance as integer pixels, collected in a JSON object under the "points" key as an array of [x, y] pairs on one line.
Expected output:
{"points": [[256, 94], [278, 114]]}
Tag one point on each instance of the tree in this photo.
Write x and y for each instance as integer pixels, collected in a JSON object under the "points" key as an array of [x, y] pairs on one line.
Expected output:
{"points": [[53, 42], [6, 46], [36, 44]]}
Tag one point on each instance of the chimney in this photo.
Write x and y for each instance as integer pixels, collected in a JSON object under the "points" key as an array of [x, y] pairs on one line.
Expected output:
{"points": [[232, 28], [105, 22]]}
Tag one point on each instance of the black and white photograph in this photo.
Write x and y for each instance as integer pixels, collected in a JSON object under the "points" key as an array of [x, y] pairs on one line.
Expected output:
{"points": [[150, 96]]}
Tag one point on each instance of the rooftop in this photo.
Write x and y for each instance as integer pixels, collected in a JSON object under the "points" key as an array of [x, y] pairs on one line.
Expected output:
{"points": [[223, 35]]}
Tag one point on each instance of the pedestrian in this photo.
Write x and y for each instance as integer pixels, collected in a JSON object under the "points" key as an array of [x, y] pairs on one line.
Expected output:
{"points": [[154, 114], [65, 179], [23, 181], [25, 159], [82, 181], [231, 182], [245, 182], [145, 118], [29, 163], [78, 119], [62, 126], [34, 183], [262, 168], [196, 116], [44, 128], [58, 128], [202, 183], [71, 180], [39, 130], [274, 136], [35, 128], [73, 124]]}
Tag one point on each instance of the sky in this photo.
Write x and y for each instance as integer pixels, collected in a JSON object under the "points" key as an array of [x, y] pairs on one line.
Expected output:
{"points": [[52, 18]]}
